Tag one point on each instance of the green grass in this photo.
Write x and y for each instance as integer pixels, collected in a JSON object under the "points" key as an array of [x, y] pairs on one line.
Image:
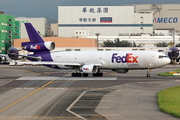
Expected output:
{"points": [[169, 73], [169, 101]]}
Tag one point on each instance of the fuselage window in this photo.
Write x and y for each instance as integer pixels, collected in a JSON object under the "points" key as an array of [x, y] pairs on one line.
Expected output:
{"points": [[161, 56]]}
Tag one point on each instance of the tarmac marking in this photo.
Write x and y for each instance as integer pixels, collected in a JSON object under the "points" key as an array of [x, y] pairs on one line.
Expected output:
{"points": [[23, 70], [67, 78], [49, 88], [6, 83], [33, 92], [48, 117], [88, 107], [30, 72], [68, 109]]}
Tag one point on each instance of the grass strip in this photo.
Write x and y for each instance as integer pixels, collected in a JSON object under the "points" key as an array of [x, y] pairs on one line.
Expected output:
{"points": [[169, 101], [170, 73]]}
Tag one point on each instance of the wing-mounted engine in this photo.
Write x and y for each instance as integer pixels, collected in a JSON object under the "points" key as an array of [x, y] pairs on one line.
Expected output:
{"points": [[121, 70], [38, 47], [2, 59], [89, 69], [14, 54]]}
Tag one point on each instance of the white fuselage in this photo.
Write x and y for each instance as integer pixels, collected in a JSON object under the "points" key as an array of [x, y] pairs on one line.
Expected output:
{"points": [[113, 59]]}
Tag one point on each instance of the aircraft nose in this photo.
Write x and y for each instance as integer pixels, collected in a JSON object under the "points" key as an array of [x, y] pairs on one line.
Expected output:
{"points": [[167, 61]]}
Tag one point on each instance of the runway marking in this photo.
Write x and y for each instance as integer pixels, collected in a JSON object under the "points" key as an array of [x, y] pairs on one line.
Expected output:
{"points": [[36, 78], [48, 117], [30, 72], [33, 92], [49, 88], [6, 83], [68, 109], [24, 70], [67, 78], [105, 115]]}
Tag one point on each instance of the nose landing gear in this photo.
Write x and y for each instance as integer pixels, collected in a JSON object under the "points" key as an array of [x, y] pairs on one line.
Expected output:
{"points": [[148, 72], [148, 75]]}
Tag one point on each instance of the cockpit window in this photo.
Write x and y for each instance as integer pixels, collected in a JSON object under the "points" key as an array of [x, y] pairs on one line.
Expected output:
{"points": [[162, 56]]}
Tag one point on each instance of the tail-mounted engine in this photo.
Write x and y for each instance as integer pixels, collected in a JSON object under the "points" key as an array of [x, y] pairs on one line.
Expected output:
{"points": [[89, 69], [38, 47]]}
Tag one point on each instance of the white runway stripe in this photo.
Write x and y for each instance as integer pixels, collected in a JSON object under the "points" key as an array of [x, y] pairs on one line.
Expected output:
{"points": [[67, 78]]}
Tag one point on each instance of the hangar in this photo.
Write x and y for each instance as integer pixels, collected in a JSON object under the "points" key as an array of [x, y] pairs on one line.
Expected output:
{"points": [[82, 21]]}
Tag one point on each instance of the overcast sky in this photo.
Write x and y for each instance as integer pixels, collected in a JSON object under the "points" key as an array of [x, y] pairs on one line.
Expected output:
{"points": [[49, 8]]}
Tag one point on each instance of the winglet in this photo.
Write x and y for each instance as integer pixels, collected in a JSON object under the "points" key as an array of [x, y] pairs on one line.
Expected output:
{"points": [[34, 36]]}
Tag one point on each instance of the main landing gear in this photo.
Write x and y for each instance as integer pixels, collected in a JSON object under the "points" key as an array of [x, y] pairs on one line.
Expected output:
{"points": [[77, 74], [98, 74]]}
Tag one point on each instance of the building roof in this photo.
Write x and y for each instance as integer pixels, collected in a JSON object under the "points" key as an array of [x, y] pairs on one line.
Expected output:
{"points": [[63, 42]]}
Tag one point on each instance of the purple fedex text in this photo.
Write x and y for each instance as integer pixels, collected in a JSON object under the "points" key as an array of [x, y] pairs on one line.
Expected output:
{"points": [[129, 58]]}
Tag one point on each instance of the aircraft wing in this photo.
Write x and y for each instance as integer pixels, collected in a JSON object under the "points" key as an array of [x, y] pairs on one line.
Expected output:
{"points": [[50, 63], [56, 63], [3, 55], [37, 58]]}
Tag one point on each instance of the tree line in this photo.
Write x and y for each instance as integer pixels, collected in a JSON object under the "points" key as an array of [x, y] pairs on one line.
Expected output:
{"points": [[125, 43], [118, 43]]}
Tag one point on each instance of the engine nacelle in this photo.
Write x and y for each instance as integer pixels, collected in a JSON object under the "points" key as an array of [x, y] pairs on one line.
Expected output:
{"points": [[2, 59], [13, 53], [121, 70], [89, 69], [38, 47]]}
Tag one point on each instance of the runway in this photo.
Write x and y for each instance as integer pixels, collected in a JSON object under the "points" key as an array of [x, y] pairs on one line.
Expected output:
{"points": [[37, 92]]}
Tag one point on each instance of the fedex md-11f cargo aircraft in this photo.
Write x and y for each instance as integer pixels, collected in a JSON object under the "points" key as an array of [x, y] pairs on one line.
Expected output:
{"points": [[86, 62]]}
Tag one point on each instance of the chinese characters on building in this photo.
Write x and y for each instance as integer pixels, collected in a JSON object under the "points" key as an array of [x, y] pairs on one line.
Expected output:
{"points": [[87, 19], [92, 10]]}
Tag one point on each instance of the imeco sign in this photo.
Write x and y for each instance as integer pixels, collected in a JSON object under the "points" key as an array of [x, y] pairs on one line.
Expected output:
{"points": [[165, 20]]}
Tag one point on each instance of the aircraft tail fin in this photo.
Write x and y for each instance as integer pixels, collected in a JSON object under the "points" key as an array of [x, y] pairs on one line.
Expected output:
{"points": [[37, 43], [34, 35]]}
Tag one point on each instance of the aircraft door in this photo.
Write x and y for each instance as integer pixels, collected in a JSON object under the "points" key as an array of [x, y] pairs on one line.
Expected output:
{"points": [[153, 62]]}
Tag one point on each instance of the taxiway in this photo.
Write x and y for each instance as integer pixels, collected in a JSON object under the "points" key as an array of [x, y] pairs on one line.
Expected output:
{"points": [[38, 92]]}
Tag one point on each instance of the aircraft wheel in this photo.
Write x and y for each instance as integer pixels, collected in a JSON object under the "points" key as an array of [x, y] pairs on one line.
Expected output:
{"points": [[99, 74], [85, 74], [76, 75], [94, 74], [79, 74], [72, 75], [148, 75]]}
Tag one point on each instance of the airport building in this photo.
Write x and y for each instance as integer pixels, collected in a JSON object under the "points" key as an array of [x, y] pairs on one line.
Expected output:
{"points": [[145, 24], [82, 21], [165, 16], [161, 19], [9, 30], [39, 23]]}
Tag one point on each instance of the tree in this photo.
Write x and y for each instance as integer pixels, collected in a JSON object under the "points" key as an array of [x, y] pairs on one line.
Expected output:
{"points": [[161, 44], [118, 43], [108, 43], [125, 43]]}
